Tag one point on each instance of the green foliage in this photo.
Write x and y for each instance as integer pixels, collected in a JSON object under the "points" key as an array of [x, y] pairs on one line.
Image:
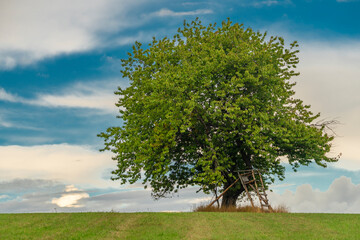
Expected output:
{"points": [[208, 102]]}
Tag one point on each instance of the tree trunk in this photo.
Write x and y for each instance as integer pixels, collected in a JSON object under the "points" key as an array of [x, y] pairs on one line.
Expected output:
{"points": [[230, 197]]}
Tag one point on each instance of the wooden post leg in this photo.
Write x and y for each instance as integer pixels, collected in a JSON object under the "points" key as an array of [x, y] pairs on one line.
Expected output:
{"points": [[222, 193], [247, 192]]}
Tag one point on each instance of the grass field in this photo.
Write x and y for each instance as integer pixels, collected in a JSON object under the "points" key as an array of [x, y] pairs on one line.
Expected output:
{"points": [[192, 225]]}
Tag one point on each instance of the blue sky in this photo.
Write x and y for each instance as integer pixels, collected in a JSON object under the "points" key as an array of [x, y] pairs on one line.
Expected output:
{"points": [[60, 64]]}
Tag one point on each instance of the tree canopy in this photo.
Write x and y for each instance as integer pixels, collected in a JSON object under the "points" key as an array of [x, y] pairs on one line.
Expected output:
{"points": [[208, 102]]}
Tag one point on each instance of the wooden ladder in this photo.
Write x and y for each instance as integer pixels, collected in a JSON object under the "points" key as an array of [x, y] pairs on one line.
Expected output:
{"points": [[250, 182]]}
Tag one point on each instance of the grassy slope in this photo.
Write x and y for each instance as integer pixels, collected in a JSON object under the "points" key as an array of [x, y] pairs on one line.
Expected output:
{"points": [[179, 226]]}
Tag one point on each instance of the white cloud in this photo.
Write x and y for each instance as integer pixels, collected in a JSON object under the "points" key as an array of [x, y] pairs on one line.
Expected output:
{"points": [[4, 196], [97, 95], [71, 197], [164, 12], [343, 196], [265, 3], [140, 37], [33, 30], [79, 165], [5, 124], [5, 96]]}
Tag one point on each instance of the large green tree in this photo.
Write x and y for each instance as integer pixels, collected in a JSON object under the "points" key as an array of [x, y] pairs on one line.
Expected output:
{"points": [[208, 102]]}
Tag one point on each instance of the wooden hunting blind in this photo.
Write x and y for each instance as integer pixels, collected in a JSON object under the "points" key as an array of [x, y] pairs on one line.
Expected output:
{"points": [[251, 180]]}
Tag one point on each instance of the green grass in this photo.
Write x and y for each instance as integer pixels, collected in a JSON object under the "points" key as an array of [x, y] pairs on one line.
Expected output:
{"points": [[193, 225]]}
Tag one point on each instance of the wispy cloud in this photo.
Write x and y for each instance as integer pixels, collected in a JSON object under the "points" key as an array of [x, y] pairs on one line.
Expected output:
{"points": [[4, 196], [5, 96], [97, 95], [282, 185], [194, 3], [5, 124], [265, 3], [164, 12], [343, 1]]}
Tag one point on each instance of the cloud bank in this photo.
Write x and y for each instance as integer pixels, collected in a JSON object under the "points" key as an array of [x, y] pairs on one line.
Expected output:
{"points": [[65, 163], [343, 196]]}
